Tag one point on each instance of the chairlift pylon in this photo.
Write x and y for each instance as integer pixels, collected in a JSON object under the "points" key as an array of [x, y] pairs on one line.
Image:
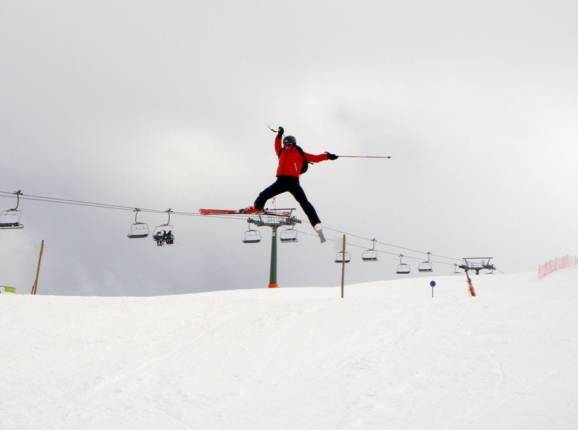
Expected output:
{"points": [[163, 234], [370, 254], [402, 268], [10, 218], [478, 264], [252, 235], [138, 230], [425, 266]]}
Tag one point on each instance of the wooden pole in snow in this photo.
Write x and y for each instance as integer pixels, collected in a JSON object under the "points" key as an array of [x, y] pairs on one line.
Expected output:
{"points": [[35, 286]]}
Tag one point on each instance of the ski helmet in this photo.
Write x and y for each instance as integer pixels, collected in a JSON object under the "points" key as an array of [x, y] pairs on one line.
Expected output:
{"points": [[289, 140]]}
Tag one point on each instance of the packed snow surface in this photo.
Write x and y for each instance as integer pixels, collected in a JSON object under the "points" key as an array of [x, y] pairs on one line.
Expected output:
{"points": [[387, 356]]}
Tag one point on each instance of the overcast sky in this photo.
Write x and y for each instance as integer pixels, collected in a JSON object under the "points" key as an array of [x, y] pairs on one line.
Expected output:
{"points": [[165, 105]]}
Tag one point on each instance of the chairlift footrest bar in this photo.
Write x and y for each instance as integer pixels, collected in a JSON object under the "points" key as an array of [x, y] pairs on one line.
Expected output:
{"points": [[11, 226]]}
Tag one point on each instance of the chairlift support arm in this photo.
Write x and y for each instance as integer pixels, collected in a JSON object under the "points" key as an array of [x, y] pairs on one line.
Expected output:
{"points": [[136, 211], [17, 194], [484, 263]]}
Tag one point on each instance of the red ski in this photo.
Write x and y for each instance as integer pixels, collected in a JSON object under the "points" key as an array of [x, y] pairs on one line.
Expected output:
{"points": [[267, 212]]}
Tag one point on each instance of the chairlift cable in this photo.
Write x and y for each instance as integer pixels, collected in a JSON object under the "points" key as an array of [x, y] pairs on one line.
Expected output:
{"points": [[59, 200], [392, 245], [377, 241], [380, 251], [84, 203]]}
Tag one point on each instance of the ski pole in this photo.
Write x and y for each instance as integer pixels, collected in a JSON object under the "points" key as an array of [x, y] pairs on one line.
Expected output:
{"points": [[365, 156], [347, 156]]}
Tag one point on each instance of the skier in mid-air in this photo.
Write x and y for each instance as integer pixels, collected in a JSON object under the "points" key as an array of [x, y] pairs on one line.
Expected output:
{"points": [[292, 160]]}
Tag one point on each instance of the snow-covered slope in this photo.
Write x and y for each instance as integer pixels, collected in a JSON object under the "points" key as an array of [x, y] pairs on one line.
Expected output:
{"points": [[387, 356]]}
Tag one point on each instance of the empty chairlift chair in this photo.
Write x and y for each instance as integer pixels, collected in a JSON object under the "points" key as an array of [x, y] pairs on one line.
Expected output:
{"points": [[402, 268], [138, 230], [342, 257], [289, 236], [10, 218], [425, 266], [370, 254], [252, 236]]}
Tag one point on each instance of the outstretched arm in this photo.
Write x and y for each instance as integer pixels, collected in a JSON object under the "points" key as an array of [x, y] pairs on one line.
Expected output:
{"points": [[312, 158]]}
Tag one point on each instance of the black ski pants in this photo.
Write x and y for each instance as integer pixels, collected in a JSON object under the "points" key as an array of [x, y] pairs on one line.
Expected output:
{"points": [[290, 184]]}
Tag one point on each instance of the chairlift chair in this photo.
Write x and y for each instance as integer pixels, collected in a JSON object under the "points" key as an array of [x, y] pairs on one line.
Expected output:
{"points": [[10, 218], [425, 266], [288, 236], [402, 268], [252, 236], [163, 234], [138, 230], [370, 254], [342, 257]]}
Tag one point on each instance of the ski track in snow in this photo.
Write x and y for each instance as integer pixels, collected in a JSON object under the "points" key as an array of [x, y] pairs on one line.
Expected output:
{"points": [[297, 358]]}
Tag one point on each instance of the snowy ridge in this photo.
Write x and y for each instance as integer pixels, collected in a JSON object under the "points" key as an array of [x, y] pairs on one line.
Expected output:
{"points": [[388, 356]]}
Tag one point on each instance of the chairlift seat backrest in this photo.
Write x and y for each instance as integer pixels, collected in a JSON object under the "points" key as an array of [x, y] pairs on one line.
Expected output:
{"points": [[10, 219], [289, 235], [425, 267], [369, 255], [163, 228], [342, 257], [252, 236], [403, 269], [138, 230]]}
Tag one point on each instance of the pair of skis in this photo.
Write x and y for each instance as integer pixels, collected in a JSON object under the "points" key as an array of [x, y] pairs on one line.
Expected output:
{"points": [[244, 212]]}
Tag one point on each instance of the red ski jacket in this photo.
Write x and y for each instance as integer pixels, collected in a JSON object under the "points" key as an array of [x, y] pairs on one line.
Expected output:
{"points": [[291, 160]]}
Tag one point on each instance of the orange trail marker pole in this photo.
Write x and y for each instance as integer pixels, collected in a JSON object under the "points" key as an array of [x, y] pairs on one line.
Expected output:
{"points": [[470, 285]]}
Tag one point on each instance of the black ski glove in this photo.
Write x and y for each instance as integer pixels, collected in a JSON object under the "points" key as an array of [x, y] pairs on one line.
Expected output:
{"points": [[331, 156], [280, 132]]}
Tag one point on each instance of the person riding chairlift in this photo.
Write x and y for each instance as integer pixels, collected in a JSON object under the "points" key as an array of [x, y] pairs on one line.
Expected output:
{"points": [[164, 237]]}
